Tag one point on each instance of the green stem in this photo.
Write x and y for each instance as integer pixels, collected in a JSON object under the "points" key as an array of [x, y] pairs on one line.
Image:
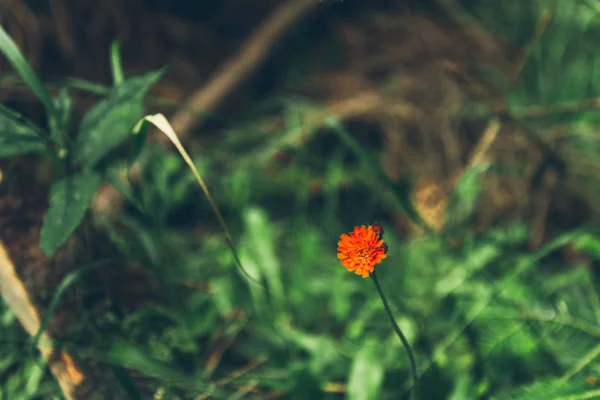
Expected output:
{"points": [[411, 357]]}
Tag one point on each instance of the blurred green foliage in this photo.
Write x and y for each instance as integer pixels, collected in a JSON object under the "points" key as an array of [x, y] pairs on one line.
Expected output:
{"points": [[559, 81], [487, 317]]}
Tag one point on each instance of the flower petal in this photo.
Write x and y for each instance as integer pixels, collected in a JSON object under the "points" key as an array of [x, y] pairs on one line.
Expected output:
{"points": [[360, 250]]}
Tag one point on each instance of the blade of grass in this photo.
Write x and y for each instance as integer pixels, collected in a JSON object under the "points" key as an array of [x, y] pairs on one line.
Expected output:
{"points": [[593, 394], [67, 281], [127, 383], [124, 354], [401, 192], [581, 364], [165, 127], [11, 51], [524, 265], [82, 85], [17, 117], [115, 63]]}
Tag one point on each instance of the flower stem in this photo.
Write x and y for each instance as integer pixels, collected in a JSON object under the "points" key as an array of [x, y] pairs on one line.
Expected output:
{"points": [[411, 357]]}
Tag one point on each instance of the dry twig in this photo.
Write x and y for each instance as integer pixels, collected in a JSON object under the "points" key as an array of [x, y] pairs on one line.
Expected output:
{"points": [[13, 291], [225, 79], [252, 53], [28, 278]]}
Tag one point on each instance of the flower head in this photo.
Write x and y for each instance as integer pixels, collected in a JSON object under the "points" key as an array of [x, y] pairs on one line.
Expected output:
{"points": [[361, 250]]}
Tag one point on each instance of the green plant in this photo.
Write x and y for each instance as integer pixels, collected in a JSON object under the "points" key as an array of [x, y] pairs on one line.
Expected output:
{"points": [[77, 160], [486, 316]]}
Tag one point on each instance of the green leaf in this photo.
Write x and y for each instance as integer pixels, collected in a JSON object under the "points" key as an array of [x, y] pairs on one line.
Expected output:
{"points": [[576, 80], [11, 145], [549, 389], [463, 200], [324, 351], [10, 50], [464, 388], [366, 374], [35, 373], [115, 62], [261, 244], [124, 354], [70, 199], [400, 190], [136, 144], [110, 121], [588, 244], [59, 124], [17, 137]]}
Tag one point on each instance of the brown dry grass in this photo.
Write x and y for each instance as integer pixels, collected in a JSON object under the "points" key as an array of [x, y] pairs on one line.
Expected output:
{"points": [[408, 76]]}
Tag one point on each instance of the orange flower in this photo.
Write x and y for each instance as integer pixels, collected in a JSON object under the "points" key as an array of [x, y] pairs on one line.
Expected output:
{"points": [[360, 251]]}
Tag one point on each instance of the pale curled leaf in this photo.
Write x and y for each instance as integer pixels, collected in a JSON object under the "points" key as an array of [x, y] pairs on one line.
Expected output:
{"points": [[165, 127]]}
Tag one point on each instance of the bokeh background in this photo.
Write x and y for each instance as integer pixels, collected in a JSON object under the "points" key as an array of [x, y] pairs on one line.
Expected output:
{"points": [[468, 129]]}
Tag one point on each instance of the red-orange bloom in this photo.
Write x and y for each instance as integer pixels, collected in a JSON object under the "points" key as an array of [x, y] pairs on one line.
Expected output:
{"points": [[360, 251]]}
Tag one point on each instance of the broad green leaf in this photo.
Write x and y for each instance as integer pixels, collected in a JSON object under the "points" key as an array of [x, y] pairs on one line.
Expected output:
{"points": [[366, 374], [261, 245], [18, 138], [70, 199], [10, 50], [253, 271], [109, 122]]}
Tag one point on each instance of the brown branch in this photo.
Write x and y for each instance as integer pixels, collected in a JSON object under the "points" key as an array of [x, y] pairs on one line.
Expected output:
{"points": [[234, 375], [76, 379], [109, 199], [473, 28], [550, 155], [485, 142], [64, 27], [252, 53]]}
